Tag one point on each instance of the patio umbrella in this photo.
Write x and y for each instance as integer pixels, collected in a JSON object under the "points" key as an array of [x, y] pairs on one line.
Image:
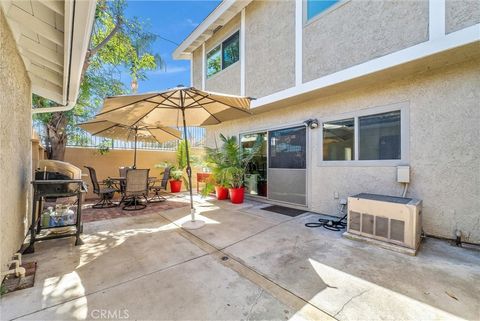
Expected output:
{"points": [[109, 129], [176, 107]]}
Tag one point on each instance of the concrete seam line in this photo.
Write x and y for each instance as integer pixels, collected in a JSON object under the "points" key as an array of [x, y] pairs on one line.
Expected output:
{"points": [[237, 265], [112, 286]]}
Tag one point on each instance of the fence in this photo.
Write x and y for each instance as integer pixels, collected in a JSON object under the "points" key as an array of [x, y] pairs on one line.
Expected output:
{"points": [[80, 138]]}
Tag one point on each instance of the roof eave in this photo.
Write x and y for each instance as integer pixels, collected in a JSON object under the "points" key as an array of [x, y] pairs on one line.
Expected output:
{"points": [[218, 17]]}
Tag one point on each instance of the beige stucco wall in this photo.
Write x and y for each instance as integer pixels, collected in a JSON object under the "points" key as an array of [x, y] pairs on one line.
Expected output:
{"points": [[228, 80], [15, 145], [358, 31], [107, 165], [460, 14], [269, 47], [197, 68], [444, 146]]}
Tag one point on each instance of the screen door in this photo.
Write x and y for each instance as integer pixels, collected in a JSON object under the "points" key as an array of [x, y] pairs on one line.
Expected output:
{"points": [[287, 165]]}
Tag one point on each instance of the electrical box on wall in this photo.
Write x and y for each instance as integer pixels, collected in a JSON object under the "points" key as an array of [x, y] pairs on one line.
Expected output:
{"points": [[403, 174]]}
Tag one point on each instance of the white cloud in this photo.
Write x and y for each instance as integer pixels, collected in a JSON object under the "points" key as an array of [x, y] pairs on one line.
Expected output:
{"points": [[192, 23]]}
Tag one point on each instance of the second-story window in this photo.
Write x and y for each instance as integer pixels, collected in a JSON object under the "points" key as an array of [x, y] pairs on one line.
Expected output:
{"points": [[314, 7], [225, 54]]}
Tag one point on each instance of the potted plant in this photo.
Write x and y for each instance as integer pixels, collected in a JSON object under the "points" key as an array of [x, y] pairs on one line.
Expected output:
{"points": [[235, 180], [228, 165], [177, 176], [215, 161]]}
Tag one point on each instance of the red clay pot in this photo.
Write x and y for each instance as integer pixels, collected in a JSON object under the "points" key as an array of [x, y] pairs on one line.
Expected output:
{"points": [[237, 195], [175, 186], [221, 192]]}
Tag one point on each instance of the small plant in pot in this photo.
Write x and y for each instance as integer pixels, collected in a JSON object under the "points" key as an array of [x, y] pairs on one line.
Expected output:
{"points": [[176, 177]]}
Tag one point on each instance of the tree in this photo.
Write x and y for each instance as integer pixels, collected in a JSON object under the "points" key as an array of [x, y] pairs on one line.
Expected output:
{"points": [[117, 44]]}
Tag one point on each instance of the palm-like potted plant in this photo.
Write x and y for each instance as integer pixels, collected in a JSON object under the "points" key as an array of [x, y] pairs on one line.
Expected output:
{"points": [[228, 166]]}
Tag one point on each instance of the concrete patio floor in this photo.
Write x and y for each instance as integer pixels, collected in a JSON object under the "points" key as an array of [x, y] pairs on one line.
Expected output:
{"points": [[246, 264]]}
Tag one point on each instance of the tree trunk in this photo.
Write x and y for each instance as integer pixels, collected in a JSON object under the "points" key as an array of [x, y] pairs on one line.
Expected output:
{"points": [[57, 136]]}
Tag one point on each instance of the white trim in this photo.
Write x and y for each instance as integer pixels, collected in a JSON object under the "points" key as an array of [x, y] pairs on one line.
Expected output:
{"points": [[224, 12], [298, 42], [436, 17], [242, 53], [204, 69], [191, 70], [422, 50], [404, 109]]}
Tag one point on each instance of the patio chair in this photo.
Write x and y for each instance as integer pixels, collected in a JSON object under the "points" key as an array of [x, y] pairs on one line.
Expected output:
{"points": [[122, 171], [136, 187], [158, 188], [105, 194]]}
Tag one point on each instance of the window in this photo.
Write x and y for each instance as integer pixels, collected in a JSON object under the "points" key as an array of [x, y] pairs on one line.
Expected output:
{"points": [[378, 137], [315, 7], [225, 54], [338, 140], [214, 61], [288, 148], [230, 51]]}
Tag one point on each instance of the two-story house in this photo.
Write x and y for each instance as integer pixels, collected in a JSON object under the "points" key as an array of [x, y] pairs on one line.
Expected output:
{"points": [[346, 91]]}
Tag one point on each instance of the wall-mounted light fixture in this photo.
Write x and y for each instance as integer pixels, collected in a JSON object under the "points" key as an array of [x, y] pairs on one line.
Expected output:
{"points": [[312, 123]]}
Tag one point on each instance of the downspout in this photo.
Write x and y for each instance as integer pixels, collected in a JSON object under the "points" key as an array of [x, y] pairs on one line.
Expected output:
{"points": [[70, 104]]}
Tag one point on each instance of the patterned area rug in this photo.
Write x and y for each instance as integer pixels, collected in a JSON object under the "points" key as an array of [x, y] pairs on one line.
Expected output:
{"points": [[93, 214]]}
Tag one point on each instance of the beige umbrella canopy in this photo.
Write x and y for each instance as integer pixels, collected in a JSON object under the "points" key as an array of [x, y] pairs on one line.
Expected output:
{"points": [[176, 107], [108, 129]]}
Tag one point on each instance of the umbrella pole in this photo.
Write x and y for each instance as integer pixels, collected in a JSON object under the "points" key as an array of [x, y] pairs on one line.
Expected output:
{"points": [[135, 150], [189, 169]]}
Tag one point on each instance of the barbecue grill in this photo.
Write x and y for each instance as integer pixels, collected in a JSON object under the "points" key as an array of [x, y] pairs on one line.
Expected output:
{"points": [[55, 179]]}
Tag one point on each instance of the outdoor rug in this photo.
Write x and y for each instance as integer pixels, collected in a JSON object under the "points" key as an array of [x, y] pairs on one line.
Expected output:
{"points": [[284, 210], [100, 214]]}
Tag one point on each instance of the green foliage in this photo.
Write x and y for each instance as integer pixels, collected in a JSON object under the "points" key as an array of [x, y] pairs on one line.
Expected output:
{"points": [[104, 146], [228, 163], [118, 44]]}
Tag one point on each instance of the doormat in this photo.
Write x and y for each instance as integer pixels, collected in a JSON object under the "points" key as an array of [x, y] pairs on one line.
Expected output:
{"points": [[284, 210], [13, 283]]}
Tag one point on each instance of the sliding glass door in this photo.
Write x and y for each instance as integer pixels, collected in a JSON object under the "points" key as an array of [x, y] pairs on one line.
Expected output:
{"points": [[287, 165]]}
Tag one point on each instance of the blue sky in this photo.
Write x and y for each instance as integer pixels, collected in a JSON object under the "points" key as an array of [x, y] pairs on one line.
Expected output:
{"points": [[173, 20]]}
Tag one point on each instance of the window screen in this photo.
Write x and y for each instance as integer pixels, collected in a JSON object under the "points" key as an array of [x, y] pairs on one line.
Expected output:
{"points": [[380, 136], [338, 140], [287, 148]]}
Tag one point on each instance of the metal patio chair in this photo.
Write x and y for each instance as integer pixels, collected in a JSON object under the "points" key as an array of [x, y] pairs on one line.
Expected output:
{"points": [[105, 194], [163, 186], [136, 187]]}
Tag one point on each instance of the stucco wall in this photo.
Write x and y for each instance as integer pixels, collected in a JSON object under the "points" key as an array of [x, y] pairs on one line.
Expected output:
{"points": [[197, 68], [15, 145], [107, 165], [358, 31], [444, 146], [269, 47], [228, 80], [460, 14]]}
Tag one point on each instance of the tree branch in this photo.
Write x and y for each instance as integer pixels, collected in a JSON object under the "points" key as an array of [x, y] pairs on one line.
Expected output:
{"points": [[112, 33]]}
